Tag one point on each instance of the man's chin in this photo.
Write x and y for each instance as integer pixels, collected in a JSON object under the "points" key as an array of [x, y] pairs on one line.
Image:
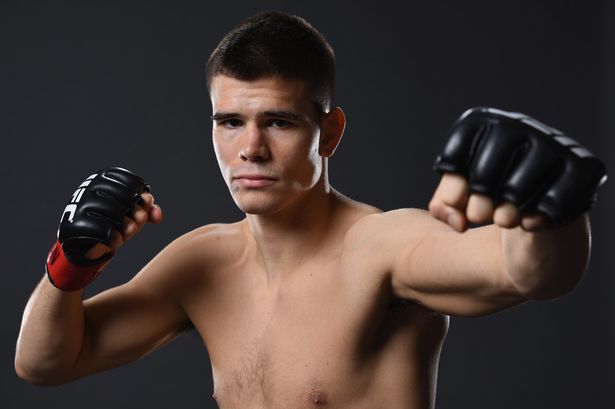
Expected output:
{"points": [[257, 208], [260, 211], [261, 203]]}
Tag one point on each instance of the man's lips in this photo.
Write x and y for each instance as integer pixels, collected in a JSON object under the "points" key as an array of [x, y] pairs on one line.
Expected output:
{"points": [[254, 180]]}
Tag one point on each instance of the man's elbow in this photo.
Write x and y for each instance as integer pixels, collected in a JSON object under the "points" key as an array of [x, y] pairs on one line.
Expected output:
{"points": [[36, 376]]}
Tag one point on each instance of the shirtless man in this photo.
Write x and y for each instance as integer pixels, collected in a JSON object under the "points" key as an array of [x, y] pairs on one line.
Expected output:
{"points": [[312, 300]]}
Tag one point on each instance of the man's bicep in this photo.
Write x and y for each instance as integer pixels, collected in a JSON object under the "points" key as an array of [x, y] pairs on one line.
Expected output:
{"points": [[122, 325], [446, 271]]}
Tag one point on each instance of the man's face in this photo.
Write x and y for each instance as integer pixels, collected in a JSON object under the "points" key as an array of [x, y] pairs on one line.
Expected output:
{"points": [[266, 136]]}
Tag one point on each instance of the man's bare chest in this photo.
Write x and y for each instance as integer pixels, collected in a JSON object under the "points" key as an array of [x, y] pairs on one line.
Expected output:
{"points": [[290, 344]]}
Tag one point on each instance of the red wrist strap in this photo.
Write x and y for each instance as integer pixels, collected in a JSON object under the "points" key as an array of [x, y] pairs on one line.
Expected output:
{"points": [[68, 276]]}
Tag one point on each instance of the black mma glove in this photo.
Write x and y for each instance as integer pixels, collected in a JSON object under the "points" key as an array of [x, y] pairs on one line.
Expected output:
{"points": [[96, 208], [512, 157]]}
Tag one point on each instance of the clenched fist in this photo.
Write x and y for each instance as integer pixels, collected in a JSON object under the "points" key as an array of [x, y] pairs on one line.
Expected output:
{"points": [[107, 209], [512, 170]]}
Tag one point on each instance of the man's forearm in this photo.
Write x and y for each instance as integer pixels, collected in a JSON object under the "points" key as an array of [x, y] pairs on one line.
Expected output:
{"points": [[51, 334], [547, 263]]}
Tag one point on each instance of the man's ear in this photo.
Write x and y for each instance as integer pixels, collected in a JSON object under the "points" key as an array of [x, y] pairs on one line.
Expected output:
{"points": [[332, 127]]}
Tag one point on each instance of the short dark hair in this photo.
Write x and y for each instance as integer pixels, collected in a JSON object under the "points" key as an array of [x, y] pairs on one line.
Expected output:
{"points": [[277, 44]]}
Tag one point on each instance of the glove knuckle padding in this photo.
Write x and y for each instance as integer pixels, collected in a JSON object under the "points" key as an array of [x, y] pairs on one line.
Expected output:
{"points": [[573, 192], [493, 157], [534, 170], [513, 157], [458, 150], [100, 208]]}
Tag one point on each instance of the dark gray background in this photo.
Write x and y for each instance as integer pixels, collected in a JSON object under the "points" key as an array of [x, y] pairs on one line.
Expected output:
{"points": [[85, 85]]}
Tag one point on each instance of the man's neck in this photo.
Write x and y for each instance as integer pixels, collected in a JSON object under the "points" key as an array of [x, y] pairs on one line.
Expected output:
{"points": [[288, 237]]}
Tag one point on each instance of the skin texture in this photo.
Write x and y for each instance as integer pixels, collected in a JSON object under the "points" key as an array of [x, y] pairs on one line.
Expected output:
{"points": [[313, 300]]}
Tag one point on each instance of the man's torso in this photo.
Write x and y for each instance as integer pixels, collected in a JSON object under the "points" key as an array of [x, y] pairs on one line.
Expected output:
{"points": [[329, 334]]}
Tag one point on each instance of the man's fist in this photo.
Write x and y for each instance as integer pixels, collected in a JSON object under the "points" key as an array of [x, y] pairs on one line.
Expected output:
{"points": [[107, 209], [510, 169]]}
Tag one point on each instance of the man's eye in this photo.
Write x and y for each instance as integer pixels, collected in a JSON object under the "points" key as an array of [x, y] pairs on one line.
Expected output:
{"points": [[231, 123], [280, 123]]}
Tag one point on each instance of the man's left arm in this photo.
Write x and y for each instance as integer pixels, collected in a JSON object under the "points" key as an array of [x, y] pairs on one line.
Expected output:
{"points": [[529, 184], [475, 273]]}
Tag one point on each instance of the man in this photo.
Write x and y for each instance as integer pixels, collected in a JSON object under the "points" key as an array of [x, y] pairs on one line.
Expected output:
{"points": [[313, 299]]}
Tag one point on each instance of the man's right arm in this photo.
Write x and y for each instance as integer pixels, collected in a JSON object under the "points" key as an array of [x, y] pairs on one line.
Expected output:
{"points": [[63, 338]]}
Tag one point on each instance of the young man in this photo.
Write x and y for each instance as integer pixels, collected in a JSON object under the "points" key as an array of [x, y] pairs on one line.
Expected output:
{"points": [[313, 299]]}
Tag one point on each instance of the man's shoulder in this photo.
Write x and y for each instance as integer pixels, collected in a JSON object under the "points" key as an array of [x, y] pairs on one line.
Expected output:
{"points": [[374, 225], [211, 240], [200, 248], [194, 256], [213, 231], [377, 240]]}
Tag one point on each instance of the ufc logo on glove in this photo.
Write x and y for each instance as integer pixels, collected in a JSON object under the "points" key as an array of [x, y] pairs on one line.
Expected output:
{"points": [[72, 206]]}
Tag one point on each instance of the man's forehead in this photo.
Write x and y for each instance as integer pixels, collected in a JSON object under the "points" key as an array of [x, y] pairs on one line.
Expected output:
{"points": [[272, 93], [225, 89]]}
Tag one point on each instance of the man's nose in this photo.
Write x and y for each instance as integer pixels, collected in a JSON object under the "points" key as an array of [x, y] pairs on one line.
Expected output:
{"points": [[254, 145]]}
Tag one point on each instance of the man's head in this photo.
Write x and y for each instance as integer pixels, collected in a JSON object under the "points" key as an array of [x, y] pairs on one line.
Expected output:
{"points": [[274, 44], [271, 84]]}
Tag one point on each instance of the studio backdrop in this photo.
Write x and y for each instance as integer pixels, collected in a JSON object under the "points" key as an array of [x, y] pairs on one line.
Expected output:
{"points": [[86, 85]]}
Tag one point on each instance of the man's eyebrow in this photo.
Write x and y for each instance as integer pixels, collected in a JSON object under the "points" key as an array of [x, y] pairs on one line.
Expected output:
{"points": [[284, 114], [218, 116]]}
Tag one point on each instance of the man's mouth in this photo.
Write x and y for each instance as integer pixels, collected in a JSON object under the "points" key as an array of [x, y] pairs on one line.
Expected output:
{"points": [[254, 180]]}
